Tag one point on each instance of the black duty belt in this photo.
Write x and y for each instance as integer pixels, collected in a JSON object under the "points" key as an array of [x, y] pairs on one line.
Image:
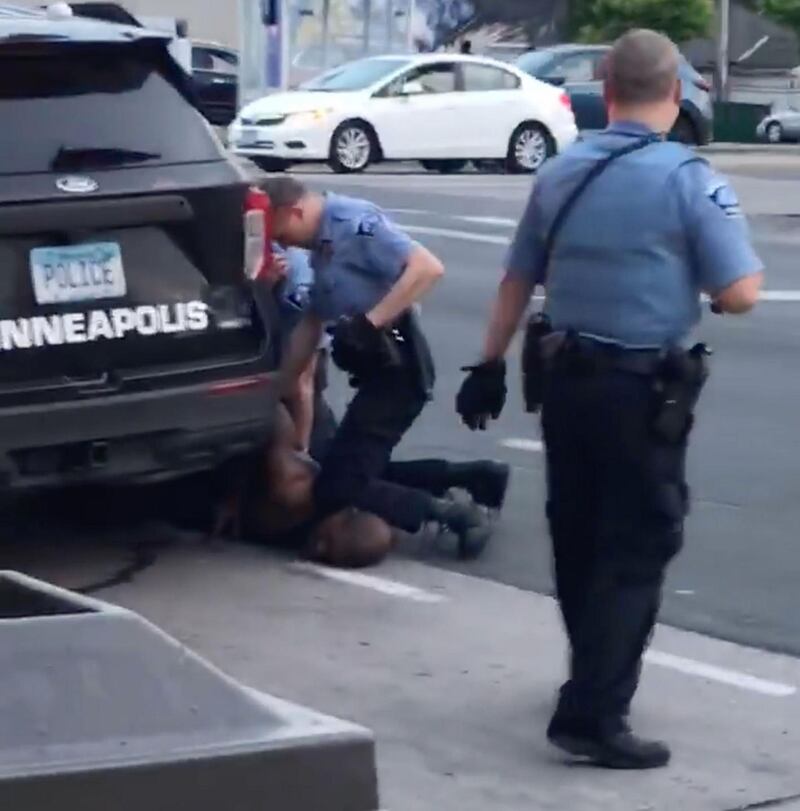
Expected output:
{"points": [[578, 353]]}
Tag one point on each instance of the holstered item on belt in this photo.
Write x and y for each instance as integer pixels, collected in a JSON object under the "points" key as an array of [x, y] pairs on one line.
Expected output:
{"points": [[533, 362], [410, 349], [417, 351], [679, 381]]}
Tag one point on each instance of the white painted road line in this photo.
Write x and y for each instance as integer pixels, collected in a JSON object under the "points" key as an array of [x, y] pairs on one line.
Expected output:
{"points": [[521, 444], [467, 236], [780, 295], [744, 681], [505, 222], [688, 667], [382, 585]]}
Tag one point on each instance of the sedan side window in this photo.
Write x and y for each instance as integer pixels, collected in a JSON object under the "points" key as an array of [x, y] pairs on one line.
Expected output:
{"points": [[214, 60], [436, 78], [479, 78]]}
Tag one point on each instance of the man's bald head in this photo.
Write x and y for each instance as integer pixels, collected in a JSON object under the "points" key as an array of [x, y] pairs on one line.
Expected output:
{"points": [[351, 539], [642, 69]]}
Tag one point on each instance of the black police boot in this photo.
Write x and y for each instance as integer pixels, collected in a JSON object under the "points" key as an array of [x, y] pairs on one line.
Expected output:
{"points": [[613, 747], [468, 522], [486, 482]]}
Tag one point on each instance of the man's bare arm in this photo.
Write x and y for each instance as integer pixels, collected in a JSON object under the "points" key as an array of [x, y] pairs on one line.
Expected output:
{"points": [[509, 306], [303, 343], [422, 272], [301, 404]]}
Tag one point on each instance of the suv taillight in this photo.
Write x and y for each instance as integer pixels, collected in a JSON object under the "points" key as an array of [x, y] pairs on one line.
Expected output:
{"points": [[257, 233], [566, 101]]}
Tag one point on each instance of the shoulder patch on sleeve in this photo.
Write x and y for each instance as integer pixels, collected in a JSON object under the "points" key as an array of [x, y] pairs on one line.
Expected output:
{"points": [[368, 224], [719, 191]]}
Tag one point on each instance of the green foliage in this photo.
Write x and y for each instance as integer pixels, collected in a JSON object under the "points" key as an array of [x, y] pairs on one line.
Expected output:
{"points": [[785, 12], [681, 20]]}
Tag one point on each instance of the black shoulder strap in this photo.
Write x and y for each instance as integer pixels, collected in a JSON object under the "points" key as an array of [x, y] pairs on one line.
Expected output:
{"points": [[593, 174]]}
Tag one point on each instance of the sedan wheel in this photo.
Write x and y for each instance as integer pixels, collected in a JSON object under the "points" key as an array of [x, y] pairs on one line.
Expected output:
{"points": [[774, 133], [352, 149], [530, 147]]}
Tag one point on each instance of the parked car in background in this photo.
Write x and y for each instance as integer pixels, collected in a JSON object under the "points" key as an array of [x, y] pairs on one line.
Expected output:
{"points": [[441, 109], [780, 126], [215, 70], [133, 346], [577, 68]]}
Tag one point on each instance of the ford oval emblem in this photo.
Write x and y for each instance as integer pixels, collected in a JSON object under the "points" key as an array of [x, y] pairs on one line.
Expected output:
{"points": [[77, 184]]}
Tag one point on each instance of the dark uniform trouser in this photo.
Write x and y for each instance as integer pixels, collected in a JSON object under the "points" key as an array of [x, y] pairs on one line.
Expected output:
{"points": [[616, 506], [356, 462]]}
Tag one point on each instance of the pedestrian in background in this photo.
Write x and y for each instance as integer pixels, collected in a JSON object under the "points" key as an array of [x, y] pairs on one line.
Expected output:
{"points": [[625, 230]]}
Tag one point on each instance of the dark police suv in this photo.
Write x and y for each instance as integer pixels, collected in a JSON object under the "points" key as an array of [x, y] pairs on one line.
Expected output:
{"points": [[133, 344]]}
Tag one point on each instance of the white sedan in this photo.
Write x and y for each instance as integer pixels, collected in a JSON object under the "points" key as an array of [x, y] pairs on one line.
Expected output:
{"points": [[441, 109]]}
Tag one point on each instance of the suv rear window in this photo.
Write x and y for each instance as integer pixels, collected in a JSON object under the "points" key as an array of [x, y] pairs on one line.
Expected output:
{"points": [[107, 106]]}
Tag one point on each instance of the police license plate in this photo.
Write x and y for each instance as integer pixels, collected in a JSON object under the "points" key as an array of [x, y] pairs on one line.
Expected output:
{"points": [[77, 273]]}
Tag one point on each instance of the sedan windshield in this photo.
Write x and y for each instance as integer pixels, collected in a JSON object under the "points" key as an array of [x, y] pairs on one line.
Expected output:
{"points": [[355, 75]]}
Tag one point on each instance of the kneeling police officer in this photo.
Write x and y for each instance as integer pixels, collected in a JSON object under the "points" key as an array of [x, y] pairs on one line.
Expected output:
{"points": [[625, 231], [369, 276]]}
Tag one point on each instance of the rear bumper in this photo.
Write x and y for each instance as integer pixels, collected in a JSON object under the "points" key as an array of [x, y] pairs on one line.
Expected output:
{"points": [[134, 438], [565, 133]]}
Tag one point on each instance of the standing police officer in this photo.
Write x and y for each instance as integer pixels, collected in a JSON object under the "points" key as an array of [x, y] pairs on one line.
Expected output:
{"points": [[369, 276], [625, 230]]}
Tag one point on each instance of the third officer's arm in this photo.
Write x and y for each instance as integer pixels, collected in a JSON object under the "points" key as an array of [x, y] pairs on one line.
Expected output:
{"points": [[722, 254], [524, 270], [390, 252]]}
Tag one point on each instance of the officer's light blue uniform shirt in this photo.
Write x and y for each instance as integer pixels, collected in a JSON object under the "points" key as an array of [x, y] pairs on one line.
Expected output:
{"points": [[357, 257], [294, 294], [645, 238]]}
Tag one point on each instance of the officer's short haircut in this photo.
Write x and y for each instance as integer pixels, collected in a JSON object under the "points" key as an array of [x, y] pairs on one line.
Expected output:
{"points": [[284, 192], [642, 67]]}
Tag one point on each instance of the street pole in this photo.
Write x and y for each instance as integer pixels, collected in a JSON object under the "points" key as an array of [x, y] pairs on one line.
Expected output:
{"points": [[723, 46]]}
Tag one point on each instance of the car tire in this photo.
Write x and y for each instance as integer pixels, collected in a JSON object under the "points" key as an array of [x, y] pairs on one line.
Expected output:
{"points": [[684, 131], [445, 167], [271, 165], [530, 146], [774, 133], [353, 148]]}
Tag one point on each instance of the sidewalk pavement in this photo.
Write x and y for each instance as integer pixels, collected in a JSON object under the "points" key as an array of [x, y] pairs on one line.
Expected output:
{"points": [[457, 676]]}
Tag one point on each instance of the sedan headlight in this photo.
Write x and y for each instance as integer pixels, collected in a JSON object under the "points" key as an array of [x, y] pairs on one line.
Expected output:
{"points": [[309, 118]]}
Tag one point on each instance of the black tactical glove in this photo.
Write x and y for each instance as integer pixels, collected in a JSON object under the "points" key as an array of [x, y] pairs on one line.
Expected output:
{"points": [[483, 394], [360, 348]]}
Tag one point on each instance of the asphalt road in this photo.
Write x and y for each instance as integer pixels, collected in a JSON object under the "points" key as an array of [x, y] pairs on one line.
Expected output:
{"points": [[737, 578]]}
